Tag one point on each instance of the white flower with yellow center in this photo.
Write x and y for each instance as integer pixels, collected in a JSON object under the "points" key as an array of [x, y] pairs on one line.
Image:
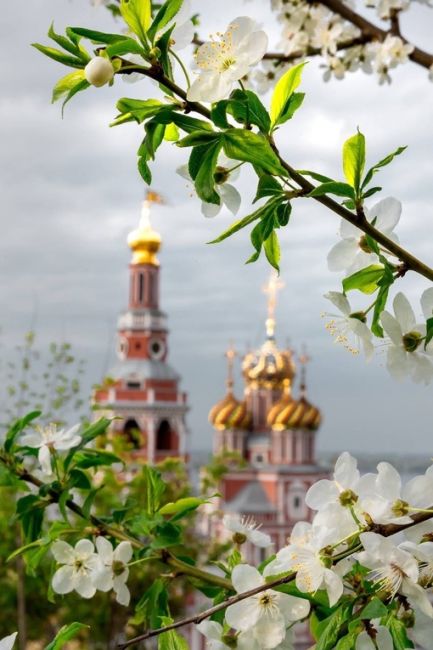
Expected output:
{"points": [[265, 615], [113, 571], [80, 564], [353, 252], [406, 355], [349, 328], [245, 529], [223, 62], [7, 642], [393, 570], [303, 555], [50, 438]]}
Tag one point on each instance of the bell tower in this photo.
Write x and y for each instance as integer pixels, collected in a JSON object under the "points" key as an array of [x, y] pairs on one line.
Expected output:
{"points": [[142, 390]]}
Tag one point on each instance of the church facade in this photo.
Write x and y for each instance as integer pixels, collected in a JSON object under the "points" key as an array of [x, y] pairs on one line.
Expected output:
{"points": [[143, 391], [274, 433]]}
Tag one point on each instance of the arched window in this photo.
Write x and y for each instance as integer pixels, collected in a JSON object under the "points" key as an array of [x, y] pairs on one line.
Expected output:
{"points": [[163, 436], [131, 432]]}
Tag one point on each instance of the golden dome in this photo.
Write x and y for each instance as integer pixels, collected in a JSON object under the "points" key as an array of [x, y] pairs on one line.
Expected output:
{"points": [[229, 413], [289, 413], [268, 367], [145, 242]]}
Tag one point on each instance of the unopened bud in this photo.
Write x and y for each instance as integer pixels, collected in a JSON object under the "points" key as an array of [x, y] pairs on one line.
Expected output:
{"points": [[155, 53], [99, 71]]}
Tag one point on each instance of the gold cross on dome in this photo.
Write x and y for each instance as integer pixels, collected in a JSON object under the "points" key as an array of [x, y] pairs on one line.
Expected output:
{"points": [[274, 285], [230, 354]]}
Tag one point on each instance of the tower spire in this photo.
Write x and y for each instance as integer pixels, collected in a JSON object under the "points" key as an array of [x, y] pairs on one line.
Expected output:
{"points": [[271, 289]]}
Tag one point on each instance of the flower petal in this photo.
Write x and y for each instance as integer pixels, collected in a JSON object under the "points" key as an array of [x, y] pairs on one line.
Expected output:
{"points": [[44, 457], [230, 197], [342, 255], [427, 303], [260, 539], [85, 587], [388, 481], [63, 580], [293, 608], [8, 641], [210, 629], [105, 549], [392, 327], [246, 577], [243, 615], [270, 629], [339, 300], [63, 552], [334, 586], [387, 213], [346, 473], [84, 548], [321, 493], [123, 552], [404, 313]]}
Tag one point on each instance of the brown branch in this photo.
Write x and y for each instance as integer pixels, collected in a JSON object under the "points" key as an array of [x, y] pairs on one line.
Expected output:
{"points": [[412, 263], [279, 57], [386, 530]]}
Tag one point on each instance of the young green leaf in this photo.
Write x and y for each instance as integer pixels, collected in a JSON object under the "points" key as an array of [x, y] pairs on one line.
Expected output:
{"points": [[171, 640], [374, 609], [59, 56], [17, 427], [283, 91], [399, 634], [137, 14], [182, 505], [272, 250], [317, 177], [66, 633], [205, 178], [333, 187], [260, 213], [294, 102], [68, 83], [329, 635], [382, 163], [166, 13], [197, 138], [247, 146], [267, 186], [98, 37], [71, 46], [354, 160], [365, 280]]}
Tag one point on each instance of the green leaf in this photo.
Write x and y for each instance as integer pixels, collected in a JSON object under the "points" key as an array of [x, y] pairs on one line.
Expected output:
{"points": [[245, 107], [17, 427], [71, 46], [374, 609], [272, 250], [153, 604], [140, 109], [95, 458], [317, 177], [99, 37], [154, 489], [354, 160], [347, 642], [267, 186], [370, 192], [182, 505], [184, 122], [283, 213], [399, 634], [144, 170], [244, 145], [79, 479], [260, 233], [125, 46], [382, 296], [294, 102], [66, 633], [204, 180], [171, 640], [90, 433], [242, 223], [137, 14], [429, 331], [329, 635], [365, 280], [166, 534], [67, 83], [333, 187], [59, 56], [382, 163], [166, 13], [198, 138], [284, 89]]}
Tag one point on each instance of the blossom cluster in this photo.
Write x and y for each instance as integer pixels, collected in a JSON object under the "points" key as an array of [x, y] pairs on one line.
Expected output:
{"points": [[313, 28], [347, 508], [407, 355], [85, 571]]}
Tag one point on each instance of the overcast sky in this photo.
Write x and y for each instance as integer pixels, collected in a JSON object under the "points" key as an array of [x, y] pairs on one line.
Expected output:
{"points": [[70, 194]]}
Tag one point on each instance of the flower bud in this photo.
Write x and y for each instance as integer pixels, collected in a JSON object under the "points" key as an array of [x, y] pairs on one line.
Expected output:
{"points": [[99, 71]]}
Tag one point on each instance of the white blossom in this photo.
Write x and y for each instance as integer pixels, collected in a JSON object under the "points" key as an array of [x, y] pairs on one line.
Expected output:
{"points": [[349, 328], [265, 615], [227, 192], [80, 564], [7, 642], [50, 438], [303, 555], [393, 570], [213, 631], [246, 527], [382, 639], [113, 571], [405, 354], [225, 61], [99, 71], [352, 253]]}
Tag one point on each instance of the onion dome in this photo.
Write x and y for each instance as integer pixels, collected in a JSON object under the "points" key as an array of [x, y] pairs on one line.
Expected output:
{"points": [[290, 413], [229, 413], [145, 242]]}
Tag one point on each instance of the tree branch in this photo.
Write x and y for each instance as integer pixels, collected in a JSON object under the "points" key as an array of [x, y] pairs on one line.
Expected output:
{"points": [[386, 530], [182, 568]]}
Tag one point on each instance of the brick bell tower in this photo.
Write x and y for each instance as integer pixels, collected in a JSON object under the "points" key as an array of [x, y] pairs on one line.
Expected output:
{"points": [[142, 390]]}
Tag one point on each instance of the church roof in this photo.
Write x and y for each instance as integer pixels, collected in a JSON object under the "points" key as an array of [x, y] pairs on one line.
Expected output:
{"points": [[250, 499], [142, 369]]}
